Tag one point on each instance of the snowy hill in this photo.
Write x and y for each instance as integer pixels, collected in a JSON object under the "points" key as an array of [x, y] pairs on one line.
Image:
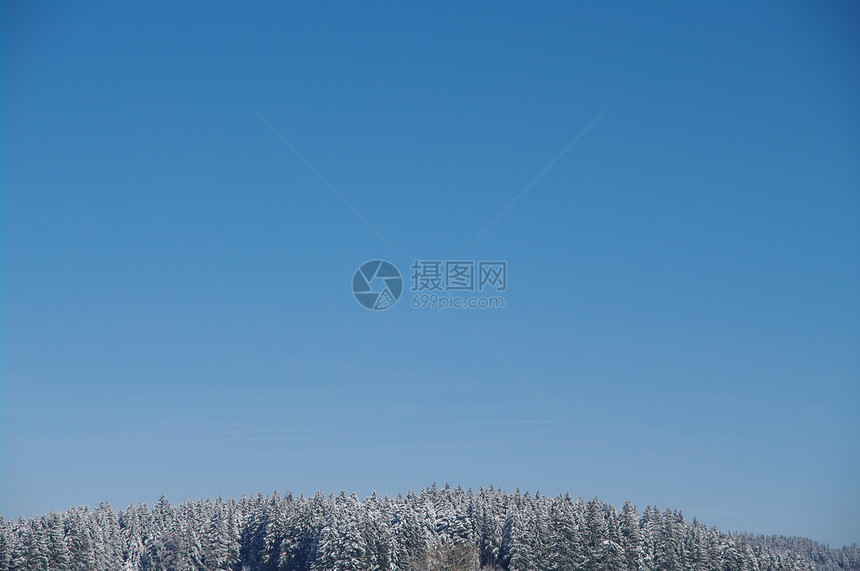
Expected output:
{"points": [[438, 528]]}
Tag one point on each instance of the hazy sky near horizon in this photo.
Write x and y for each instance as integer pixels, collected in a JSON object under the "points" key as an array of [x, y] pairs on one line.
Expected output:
{"points": [[682, 281]]}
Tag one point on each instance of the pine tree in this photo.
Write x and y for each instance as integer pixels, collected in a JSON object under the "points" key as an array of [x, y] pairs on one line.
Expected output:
{"points": [[217, 539], [104, 529], [594, 536], [490, 534], [668, 549], [36, 554], [5, 546], [613, 553], [630, 537], [649, 527], [18, 541], [341, 546], [564, 537], [407, 531], [516, 553], [59, 558], [377, 534], [273, 531], [80, 540]]}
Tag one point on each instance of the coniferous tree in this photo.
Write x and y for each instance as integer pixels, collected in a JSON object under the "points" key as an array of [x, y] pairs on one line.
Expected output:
{"points": [[613, 552], [80, 540], [630, 537], [595, 530], [59, 557], [5, 547], [341, 544]]}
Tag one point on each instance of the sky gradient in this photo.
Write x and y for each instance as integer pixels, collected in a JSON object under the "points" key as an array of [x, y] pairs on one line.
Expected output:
{"points": [[683, 281]]}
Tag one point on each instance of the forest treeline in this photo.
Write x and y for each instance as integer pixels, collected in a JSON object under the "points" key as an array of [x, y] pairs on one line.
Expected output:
{"points": [[437, 529], [822, 557]]}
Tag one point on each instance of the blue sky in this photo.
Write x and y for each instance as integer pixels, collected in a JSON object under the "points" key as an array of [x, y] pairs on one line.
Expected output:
{"points": [[683, 281]]}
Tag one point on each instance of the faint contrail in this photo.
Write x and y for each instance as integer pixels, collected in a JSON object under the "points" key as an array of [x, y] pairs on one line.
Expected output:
{"points": [[535, 179], [321, 177]]}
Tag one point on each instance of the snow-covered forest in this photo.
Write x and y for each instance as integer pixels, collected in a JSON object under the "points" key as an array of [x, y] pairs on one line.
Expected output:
{"points": [[821, 556], [438, 528]]}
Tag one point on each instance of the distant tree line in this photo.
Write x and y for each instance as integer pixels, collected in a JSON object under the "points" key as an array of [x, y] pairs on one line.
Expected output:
{"points": [[436, 529], [822, 557]]}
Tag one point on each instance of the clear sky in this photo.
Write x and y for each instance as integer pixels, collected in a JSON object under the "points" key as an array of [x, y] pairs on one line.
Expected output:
{"points": [[683, 281]]}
